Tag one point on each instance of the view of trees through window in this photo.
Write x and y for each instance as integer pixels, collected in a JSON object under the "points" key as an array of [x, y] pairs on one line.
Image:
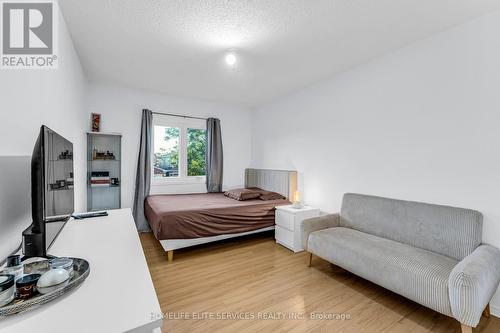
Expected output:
{"points": [[167, 151], [196, 146], [166, 154]]}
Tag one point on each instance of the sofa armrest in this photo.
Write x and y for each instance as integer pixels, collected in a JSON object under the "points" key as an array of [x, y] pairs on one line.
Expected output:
{"points": [[317, 223], [472, 283]]}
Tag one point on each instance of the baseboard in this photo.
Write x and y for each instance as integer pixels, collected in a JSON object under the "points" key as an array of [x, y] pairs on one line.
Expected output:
{"points": [[495, 310]]}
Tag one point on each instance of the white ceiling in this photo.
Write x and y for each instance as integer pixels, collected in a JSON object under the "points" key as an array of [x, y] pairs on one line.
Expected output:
{"points": [[177, 47]]}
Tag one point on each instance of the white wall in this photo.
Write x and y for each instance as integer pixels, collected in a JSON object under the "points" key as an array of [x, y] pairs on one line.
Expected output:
{"points": [[56, 98], [121, 110], [421, 124]]}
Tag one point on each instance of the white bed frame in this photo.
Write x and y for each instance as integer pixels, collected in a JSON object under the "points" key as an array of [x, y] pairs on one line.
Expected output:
{"points": [[281, 181]]}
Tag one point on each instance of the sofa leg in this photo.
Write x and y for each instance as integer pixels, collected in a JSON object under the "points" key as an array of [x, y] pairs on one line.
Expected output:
{"points": [[170, 255], [309, 259], [466, 329], [486, 311]]}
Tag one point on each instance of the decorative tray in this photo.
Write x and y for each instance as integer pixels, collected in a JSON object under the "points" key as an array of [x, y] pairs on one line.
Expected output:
{"points": [[81, 271]]}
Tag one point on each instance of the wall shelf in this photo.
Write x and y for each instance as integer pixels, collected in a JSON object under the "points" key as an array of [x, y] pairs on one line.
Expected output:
{"points": [[102, 169]]}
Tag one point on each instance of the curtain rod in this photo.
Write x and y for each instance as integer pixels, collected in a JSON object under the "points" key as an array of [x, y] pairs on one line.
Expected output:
{"points": [[178, 115]]}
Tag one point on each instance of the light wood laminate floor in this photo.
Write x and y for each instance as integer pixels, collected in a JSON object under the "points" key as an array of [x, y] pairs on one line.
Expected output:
{"points": [[253, 278]]}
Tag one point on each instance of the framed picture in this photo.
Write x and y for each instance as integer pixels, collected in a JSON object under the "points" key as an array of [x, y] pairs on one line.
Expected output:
{"points": [[96, 122]]}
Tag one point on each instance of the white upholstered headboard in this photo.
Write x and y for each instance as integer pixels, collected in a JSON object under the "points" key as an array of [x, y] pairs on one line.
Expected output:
{"points": [[281, 181]]}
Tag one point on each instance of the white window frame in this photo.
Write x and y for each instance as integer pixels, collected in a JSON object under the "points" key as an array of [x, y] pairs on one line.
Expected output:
{"points": [[183, 124]]}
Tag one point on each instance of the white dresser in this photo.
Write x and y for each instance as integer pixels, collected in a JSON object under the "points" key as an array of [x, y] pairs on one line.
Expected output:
{"points": [[287, 230]]}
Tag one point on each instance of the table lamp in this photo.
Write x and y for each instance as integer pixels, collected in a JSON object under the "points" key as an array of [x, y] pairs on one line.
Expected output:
{"points": [[297, 204]]}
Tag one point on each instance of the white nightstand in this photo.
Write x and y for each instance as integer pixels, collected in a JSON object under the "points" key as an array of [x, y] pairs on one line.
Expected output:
{"points": [[287, 230]]}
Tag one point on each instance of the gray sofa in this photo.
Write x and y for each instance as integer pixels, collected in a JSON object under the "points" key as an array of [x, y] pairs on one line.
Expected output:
{"points": [[430, 254]]}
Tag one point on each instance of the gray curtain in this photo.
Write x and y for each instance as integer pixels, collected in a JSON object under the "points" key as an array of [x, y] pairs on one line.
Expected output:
{"points": [[143, 176], [214, 156]]}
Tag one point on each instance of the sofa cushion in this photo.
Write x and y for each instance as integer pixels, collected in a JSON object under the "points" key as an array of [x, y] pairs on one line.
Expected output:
{"points": [[417, 274], [450, 231]]}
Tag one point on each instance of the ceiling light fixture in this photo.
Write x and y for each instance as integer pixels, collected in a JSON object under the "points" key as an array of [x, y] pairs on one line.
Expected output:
{"points": [[231, 58]]}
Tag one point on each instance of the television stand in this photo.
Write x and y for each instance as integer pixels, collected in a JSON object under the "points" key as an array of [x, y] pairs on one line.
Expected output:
{"points": [[105, 302]]}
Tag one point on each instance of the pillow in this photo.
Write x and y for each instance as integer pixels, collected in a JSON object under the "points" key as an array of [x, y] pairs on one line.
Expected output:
{"points": [[267, 195], [271, 196], [241, 194]]}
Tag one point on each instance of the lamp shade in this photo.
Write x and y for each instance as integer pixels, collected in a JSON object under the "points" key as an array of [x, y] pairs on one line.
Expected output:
{"points": [[296, 196]]}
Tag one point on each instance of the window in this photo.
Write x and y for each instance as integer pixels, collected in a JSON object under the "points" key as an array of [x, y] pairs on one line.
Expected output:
{"points": [[178, 149], [166, 151]]}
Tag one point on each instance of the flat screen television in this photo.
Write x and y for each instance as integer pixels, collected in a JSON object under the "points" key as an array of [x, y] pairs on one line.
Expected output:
{"points": [[52, 195]]}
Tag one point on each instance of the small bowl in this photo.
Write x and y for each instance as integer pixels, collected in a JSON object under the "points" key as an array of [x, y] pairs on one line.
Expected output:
{"points": [[7, 289], [62, 262], [52, 280], [26, 286], [47, 290]]}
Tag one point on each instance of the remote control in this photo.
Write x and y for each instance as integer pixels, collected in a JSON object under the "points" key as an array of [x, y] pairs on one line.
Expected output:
{"points": [[81, 216]]}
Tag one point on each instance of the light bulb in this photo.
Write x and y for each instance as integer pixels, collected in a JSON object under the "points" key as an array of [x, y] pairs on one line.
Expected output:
{"points": [[231, 59]]}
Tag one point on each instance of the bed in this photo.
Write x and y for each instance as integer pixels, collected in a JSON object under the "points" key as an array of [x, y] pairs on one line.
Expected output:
{"points": [[183, 220]]}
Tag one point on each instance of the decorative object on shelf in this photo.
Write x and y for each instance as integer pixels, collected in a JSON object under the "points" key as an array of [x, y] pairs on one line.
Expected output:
{"points": [[96, 122], [100, 179], [101, 155], [66, 155], [81, 270], [297, 204]]}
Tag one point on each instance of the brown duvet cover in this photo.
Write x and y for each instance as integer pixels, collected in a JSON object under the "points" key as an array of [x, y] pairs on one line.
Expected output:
{"points": [[182, 216]]}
